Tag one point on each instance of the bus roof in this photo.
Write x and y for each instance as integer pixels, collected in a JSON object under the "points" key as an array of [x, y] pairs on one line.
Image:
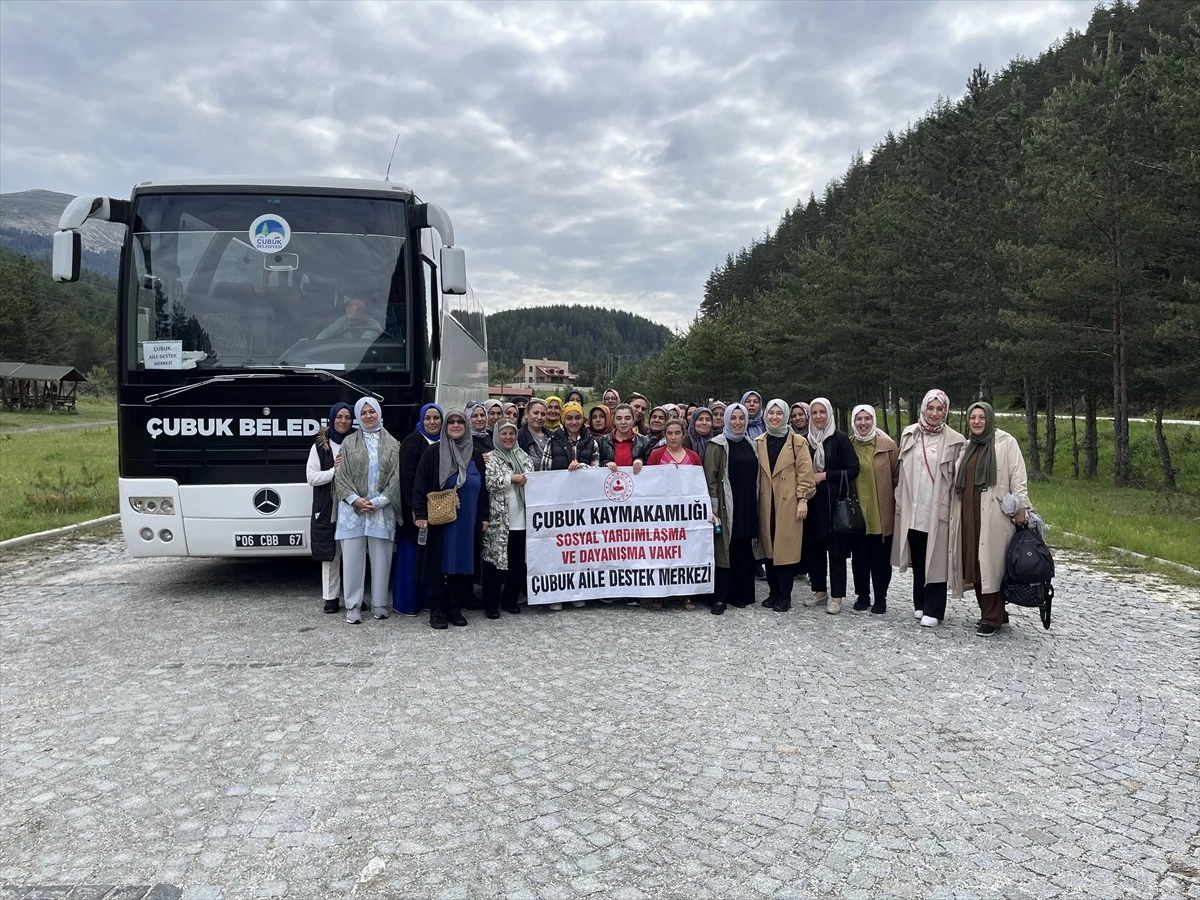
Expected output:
{"points": [[344, 184]]}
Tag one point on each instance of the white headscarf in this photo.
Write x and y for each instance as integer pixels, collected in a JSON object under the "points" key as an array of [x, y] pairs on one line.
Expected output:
{"points": [[726, 430], [817, 437], [870, 436], [783, 429], [374, 404], [934, 394]]}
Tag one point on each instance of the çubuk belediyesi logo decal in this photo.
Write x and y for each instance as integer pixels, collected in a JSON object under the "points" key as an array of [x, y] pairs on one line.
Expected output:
{"points": [[270, 233], [189, 427]]}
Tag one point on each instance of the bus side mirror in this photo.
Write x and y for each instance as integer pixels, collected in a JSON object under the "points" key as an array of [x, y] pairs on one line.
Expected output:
{"points": [[454, 270], [67, 256]]}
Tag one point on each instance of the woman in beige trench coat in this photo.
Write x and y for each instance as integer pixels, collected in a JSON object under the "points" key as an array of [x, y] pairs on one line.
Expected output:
{"points": [[785, 485], [928, 452], [990, 466]]}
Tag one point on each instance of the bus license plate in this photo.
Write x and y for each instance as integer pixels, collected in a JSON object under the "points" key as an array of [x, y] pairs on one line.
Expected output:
{"points": [[254, 541]]}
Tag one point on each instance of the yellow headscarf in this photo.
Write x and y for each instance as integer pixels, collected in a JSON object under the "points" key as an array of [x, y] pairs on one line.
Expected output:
{"points": [[573, 407], [553, 424]]}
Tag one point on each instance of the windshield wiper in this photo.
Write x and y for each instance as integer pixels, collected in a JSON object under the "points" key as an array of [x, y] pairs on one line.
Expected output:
{"points": [[237, 376], [324, 374], [183, 389]]}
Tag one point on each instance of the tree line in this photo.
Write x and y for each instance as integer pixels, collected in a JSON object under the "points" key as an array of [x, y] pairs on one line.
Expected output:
{"points": [[1037, 240], [42, 321], [597, 342]]}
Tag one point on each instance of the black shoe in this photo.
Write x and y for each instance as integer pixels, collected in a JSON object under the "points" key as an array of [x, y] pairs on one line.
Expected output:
{"points": [[718, 608], [782, 605], [739, 604], [437, 620], [862, 604], [457, 619], [769, 603], [332, 606], [633, 601], [985, 630], [515, 609], [879, 609], [492, 613]]}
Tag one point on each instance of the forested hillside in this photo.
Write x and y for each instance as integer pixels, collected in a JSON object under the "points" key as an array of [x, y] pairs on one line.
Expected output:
{"points": [[595, 341], [1037, 239], [42, 321]]}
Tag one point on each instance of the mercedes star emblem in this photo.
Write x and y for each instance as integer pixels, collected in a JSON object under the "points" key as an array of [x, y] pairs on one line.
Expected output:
{"points": [[266, 501]]}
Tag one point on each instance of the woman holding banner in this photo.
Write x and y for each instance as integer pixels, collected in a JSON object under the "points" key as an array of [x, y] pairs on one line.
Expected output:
{"points": [[570, 448], [508, 468], [447, 561], [731, 470], [673, 453], [785, 485]]}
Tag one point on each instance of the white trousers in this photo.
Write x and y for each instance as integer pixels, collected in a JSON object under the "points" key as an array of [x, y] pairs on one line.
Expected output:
{"points": [[354, 572], [331, 575]]}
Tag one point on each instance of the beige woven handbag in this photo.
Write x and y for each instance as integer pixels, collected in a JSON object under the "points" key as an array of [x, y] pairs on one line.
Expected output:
{"points": [[442, 507]]}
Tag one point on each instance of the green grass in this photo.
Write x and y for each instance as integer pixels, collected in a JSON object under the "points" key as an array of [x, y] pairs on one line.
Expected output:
{"points": [[1143, 518], [56, 478], [90, 409]]}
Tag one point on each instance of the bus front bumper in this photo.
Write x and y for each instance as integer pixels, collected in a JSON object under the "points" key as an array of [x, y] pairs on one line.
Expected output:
{"points": [[159, 517]]}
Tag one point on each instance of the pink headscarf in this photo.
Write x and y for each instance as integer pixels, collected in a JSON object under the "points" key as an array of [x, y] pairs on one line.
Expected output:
{"points": [[934, 394]]}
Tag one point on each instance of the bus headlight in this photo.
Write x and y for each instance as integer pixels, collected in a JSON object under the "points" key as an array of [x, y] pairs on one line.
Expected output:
{"points": [[147, 534], [166, 535], [157, 506]]}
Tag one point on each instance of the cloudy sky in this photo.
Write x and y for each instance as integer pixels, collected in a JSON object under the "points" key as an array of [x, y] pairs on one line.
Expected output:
{"points": [[607, 153]]}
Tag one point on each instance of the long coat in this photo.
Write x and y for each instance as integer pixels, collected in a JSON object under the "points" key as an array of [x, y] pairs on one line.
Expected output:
{"points": [[720, 495], [912, 467], [411, 450], [995, 528], [429, 557], [495, 539], [789, 481], [839, 457], [885, 469]]}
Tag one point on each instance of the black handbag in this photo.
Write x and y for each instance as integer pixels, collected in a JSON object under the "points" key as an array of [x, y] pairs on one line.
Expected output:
{"points": [[847, 514]]}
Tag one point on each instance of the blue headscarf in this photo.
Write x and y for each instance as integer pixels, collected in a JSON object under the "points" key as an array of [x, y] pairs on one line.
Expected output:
{"points": [[729, 435], [335, 436], [432, 438]]}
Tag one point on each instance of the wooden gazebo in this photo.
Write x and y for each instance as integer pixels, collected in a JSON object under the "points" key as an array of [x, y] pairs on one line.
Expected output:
{"points": [[33, 386]]}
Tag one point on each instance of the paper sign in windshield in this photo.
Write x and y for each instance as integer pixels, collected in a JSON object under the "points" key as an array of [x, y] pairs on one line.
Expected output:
{"points": [[162, 354], [270, 233]]}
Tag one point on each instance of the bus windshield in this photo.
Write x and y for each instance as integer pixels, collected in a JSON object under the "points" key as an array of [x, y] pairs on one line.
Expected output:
{"points": [[221, 281]]}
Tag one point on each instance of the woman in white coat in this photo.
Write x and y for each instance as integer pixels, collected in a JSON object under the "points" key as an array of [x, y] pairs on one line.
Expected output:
{"points": [[929, 451], [990, 466]]}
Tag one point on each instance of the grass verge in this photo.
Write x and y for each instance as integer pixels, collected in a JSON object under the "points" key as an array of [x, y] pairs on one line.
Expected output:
{"points": [[88, 409], [56, 478]]}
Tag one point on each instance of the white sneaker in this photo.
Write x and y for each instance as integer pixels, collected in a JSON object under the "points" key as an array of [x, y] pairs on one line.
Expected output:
{"points": [[920, 613], [556, 606], [579, 604], [929, 622]]}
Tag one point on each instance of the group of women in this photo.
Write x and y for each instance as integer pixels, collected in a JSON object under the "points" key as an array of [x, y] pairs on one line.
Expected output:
{"points": [[776, 475]]}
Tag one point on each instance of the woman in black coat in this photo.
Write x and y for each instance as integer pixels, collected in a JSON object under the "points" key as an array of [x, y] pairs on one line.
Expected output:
{"points": [[446, 562], [834, 461], [408, 594]]}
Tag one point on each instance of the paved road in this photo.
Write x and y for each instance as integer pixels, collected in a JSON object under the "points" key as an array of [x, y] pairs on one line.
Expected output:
{"points": [[201, 727]]}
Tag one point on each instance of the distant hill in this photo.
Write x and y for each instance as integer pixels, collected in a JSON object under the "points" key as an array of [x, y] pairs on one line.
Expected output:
{"points": [[28, 219], [589, 337]]}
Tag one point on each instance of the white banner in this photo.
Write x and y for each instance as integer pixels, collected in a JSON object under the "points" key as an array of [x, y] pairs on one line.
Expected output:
{"points": [[592, 534]]}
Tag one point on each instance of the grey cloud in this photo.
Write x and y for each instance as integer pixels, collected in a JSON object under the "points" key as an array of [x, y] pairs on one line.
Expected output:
{"points": [[596, 153]]}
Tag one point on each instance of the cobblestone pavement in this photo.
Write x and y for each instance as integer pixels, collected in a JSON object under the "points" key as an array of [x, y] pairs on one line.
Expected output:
{"points": [[202, 725]]}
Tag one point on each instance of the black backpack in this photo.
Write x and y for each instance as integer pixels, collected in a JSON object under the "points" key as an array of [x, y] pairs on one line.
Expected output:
{"points": [[1028, 572]]}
